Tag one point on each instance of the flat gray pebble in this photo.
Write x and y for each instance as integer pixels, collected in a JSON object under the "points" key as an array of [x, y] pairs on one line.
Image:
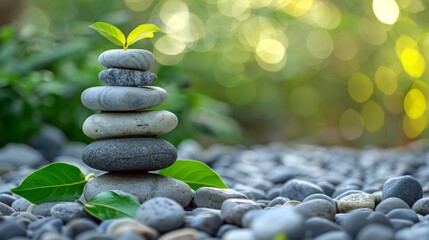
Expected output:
{"points": [[5, 210], [391, 203], [161, 213], [138, 59], [126, 77], [421, 206], [233, 210], [214, 197], [68, 211], [299, 189], [376, 231], [317, 208]]}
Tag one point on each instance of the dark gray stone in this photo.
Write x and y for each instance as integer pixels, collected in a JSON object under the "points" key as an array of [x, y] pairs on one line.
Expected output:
{"points": [[78, 226], [126, 77], [205, 221], [399, 224], [107, 98], [224, 229], [354, 221], [49, 142], [21, 205], [138, 59], [7, 199], [129, 154], [10, 229], [334, 235], [214, 197], [298, 189], [161, 213], [406, 188], [143, 185]]}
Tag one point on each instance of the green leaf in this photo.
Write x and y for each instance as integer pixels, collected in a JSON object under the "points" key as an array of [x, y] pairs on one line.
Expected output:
{"points": [[110, 32], [141, 32], [52, 183], [280, 236], [109, 205], [194, 173]]}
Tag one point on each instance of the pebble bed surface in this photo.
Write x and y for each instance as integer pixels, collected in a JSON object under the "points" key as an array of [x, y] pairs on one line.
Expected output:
{"points": [[303, 191]]}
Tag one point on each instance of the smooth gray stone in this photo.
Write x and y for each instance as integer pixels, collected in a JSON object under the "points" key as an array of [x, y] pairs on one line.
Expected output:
{"points": [[402, 213], [20, 155], [143, 185], [10, 229], [21, 205], [5, 210], [317, 226], [129, 154], [119, 226], [130, 124], [7, 199], [108, 98], [68, 211], [43, 209], [138, 59], [126, 77], [334, 235], [317, 208], [78, 226], [161, 213], [233, 210], [209, 197], [205, 221], [406, 188], [299, 189], [279, 220], [422, 206], [389, 204]]}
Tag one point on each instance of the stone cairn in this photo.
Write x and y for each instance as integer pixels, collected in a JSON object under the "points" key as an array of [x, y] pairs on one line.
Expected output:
{"points": [[126, 132]]}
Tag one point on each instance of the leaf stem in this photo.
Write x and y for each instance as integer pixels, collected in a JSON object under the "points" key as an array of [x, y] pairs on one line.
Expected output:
{"points": [[90, 176]]}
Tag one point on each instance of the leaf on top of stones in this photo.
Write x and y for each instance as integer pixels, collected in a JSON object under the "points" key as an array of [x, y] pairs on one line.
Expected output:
{"points": [[110, 32], [110, 205], [141, 32], [194, 173], [52, 183]]}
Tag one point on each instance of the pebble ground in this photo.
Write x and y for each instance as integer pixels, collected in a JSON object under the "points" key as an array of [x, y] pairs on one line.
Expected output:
{"points": [[276, 190]]}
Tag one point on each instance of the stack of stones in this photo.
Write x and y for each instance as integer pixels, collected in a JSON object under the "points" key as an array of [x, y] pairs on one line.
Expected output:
{"points": [[126, 132]]}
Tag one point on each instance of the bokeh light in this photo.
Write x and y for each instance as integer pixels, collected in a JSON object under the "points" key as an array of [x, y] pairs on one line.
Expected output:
{"points": [[351, 124], [386, 11], [360, 87], [414, 104]]}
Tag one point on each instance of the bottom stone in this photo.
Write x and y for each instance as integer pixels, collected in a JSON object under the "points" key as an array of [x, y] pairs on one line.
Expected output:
{"points": [[144, 185], [129, 154]]}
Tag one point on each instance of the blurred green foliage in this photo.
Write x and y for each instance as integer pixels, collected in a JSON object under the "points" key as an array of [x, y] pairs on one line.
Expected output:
{"points": [[332, 72]]}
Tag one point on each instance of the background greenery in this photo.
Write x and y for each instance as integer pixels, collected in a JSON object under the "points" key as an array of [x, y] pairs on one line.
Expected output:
{"points": [[238, 71]]}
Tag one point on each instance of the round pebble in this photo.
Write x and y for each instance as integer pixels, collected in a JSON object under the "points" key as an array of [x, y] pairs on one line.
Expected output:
{"points": [[406, 188], [161, 213], [138, 59], [130, 124], [143, 185], [129, 154], [107, 98], [389, 204], [298, 189], [421, 206], [214, 197], [68, 211], [317, 208], [233, 210]]}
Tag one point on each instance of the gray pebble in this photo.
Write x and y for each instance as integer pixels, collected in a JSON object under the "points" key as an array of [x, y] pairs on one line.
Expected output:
{"points": [[233, 210], [334, 235], [10, 229], [376, 231], [21, 205], [317, 208], [5, 210], [161, 213], [78, 226], [126, 77], [399, 224], [184, 234], [130, 235], [406, 188], [412, 234], [108, 98], [214, 197], [143, 185], [406, 214], [20, 155], [207, 221], [278, 201], [317, 226], [250, 216], [421, 206], [224, 229], [7, 199], [281, 220], [138, 59], [68, 211], [353, 222], [299, 189], [129, 154], [129, 124], [117, 227], [389, 204], [43, 209], [236, 234]]}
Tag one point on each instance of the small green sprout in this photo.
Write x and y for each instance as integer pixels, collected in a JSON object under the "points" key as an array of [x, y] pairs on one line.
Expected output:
{"points": [[117, 37]]}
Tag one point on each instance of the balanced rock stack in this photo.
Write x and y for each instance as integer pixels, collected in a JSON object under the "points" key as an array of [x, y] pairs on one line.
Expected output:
{"points": [[126, 132]]}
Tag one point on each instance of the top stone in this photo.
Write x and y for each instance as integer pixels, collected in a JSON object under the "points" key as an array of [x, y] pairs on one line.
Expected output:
{"points": [[137, 59]]}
